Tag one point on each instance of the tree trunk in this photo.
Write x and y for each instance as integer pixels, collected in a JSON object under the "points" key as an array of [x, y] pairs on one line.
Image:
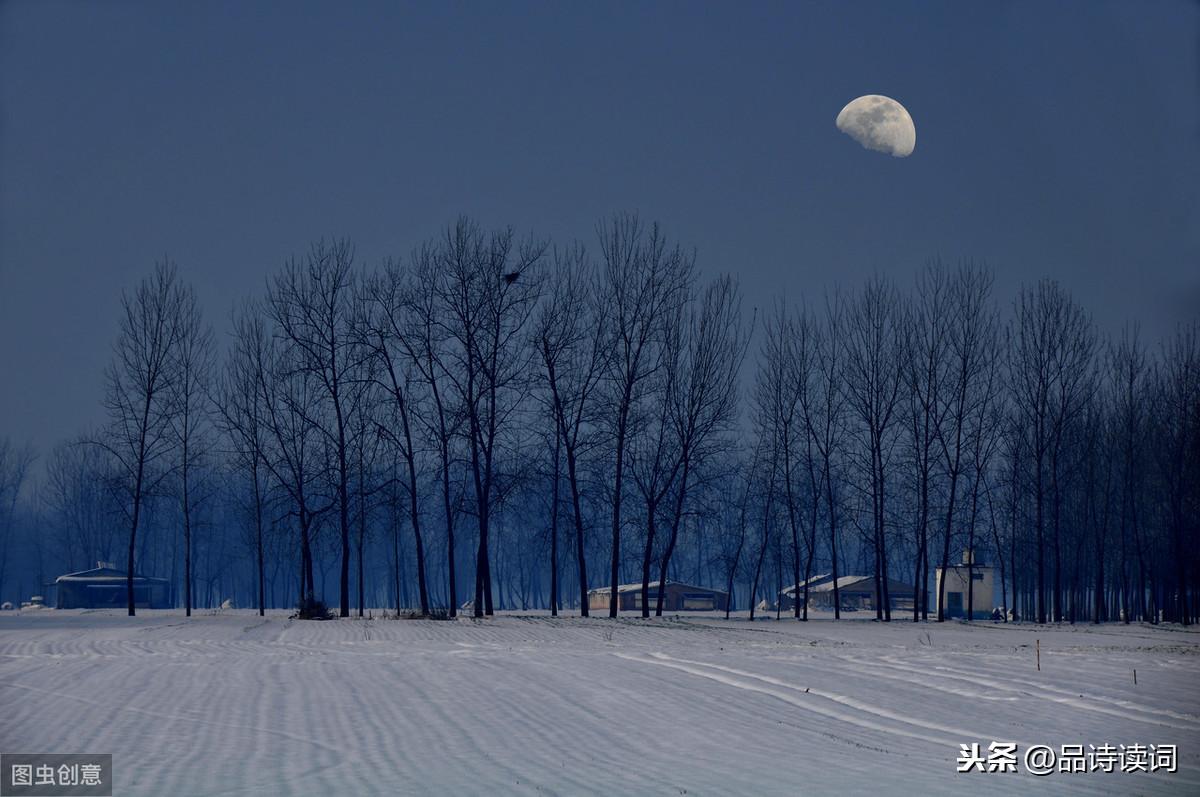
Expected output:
{"points": [[554, 527], [675, 521], [615, 574]]}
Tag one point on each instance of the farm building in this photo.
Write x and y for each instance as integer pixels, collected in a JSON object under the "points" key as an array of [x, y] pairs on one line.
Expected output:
{"points": [[106, 586], [787, 597], [856, 592], [980, 594], [677, 597]]}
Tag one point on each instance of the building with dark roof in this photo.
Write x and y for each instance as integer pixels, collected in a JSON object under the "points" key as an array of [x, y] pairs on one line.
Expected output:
{"points": [[677, 597], [107, 587], [855, 592]]}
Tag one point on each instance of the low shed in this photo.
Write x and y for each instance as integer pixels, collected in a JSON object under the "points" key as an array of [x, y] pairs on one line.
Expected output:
{"points": [[107, 587], [787, 596], [855, 592], [677, 597]]}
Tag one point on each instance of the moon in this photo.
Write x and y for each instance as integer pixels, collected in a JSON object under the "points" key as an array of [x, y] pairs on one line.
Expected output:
{"points": [[879, 123]]}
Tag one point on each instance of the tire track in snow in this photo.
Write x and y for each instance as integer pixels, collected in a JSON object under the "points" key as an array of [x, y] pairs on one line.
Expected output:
{"points": [[685, 665], [874, 670], [663, 659], [837, 698], [1066, 697]]}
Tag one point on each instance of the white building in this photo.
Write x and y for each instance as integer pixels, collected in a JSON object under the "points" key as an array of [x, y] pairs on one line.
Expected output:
{"points": [[968, 584]]}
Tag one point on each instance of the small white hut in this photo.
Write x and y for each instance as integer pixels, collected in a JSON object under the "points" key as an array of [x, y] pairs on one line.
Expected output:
{"points": [[970, 584]]}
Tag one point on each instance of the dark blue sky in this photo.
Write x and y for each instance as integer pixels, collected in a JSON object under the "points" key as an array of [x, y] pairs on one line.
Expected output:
{"points": [[1055, 139]]}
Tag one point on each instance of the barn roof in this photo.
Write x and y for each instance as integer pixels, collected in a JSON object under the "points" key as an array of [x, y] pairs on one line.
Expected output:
{"points": [[818, 579], [845, 583], [103, 575], [823, 583], [623, 588]]}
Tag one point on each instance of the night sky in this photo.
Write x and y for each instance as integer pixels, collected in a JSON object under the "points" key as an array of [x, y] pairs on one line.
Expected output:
{"points": [[1055, 139]]}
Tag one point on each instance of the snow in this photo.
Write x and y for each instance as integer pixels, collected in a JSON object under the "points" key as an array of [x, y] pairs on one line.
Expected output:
{"points": [[228, 703]]}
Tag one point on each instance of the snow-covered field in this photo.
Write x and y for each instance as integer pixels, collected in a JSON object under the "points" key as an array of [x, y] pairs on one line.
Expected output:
{"points": [[229, 703]]}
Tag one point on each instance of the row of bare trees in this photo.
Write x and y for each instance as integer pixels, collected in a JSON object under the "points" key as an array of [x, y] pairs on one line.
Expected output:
{"points": [[489, 418], [14, 468], [436, 380], [928, 422]]}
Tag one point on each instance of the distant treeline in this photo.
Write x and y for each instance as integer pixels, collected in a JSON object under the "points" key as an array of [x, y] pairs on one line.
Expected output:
{"points": [[495, 422]]}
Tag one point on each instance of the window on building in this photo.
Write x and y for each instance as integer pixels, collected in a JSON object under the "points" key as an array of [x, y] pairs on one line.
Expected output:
{"points": [[652, 598]]}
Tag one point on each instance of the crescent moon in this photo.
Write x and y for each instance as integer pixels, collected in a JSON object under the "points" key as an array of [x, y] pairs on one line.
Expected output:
{"points": [[879, 123]]}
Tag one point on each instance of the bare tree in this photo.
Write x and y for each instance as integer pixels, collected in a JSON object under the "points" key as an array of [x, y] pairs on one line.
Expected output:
{"points": [[189, 416], [238, 400], [367, 451], [778, 399], [139, 384], [972, 329], [555, 483], [736, 502], [1129, 374], [824, 410], [79, 503], [311, 303], [873, 379], [1053, 342], [774, 420], [702, 392], [986, 428], [388, 332], [427, 350], [1176, 393], [1098, 472], [290, 396], [643, 280], [926, 356], [14, 467], [768, 443], [490, 291], [804, 343], [654, 456], [571, 336]]}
